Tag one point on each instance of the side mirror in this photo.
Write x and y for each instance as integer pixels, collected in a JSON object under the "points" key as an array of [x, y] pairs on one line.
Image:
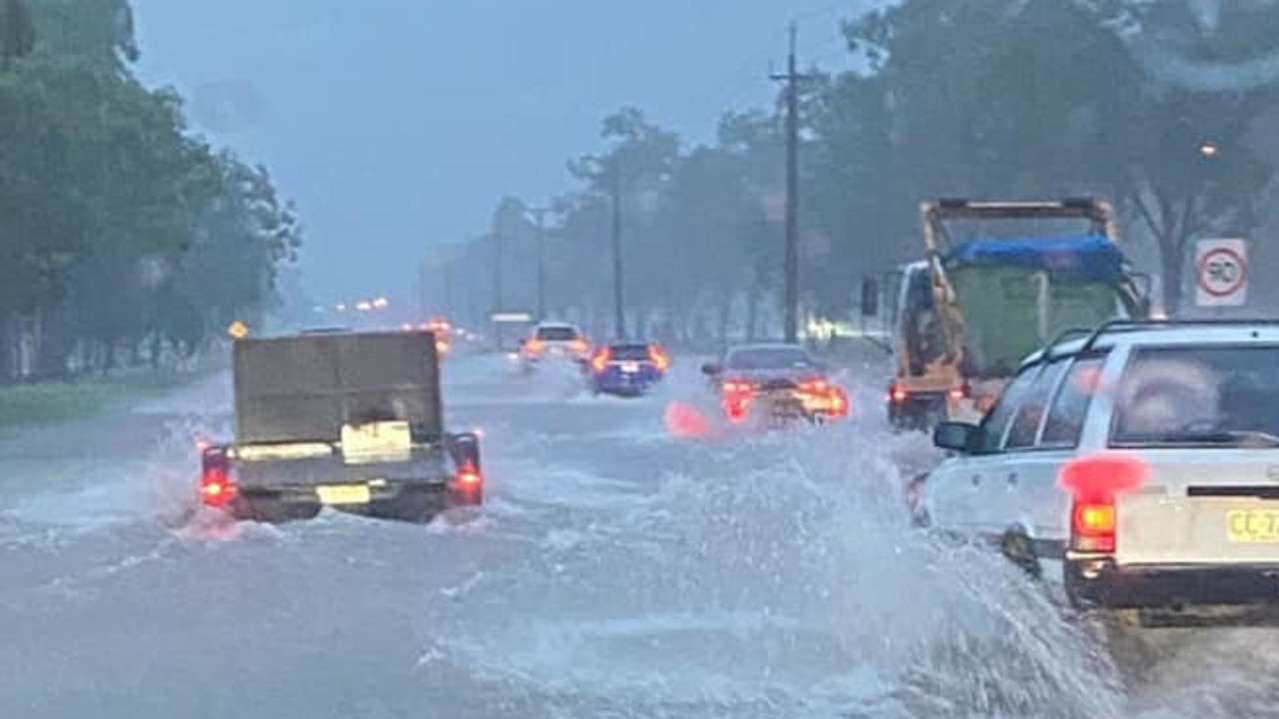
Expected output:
{"points": [[712, 368], [870, 297], [956, 436]]}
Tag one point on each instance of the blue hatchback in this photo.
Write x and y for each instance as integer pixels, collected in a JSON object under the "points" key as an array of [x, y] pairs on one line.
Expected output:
{"points": [[627, 368]]}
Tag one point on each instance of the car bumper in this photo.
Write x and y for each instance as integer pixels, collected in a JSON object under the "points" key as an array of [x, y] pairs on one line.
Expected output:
{"points": [[403, 499], [1100, 583]]}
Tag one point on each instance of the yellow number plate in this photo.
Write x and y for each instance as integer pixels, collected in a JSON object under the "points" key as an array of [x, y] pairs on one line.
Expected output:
{"points": [[343, 494], [1253, 526]]}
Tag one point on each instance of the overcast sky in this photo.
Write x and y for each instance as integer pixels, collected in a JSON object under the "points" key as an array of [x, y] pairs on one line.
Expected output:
{"points": [[398, 123]]}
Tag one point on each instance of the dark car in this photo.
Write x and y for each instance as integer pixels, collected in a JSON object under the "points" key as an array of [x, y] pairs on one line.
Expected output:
{"points": [[777, 382], [628, 368]]}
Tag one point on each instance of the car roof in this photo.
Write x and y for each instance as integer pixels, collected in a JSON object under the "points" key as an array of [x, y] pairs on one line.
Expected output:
{"points": [[556, 325], [1163, 333]]}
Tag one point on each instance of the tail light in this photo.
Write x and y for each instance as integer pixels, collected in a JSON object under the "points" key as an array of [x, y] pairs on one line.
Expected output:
{"points": [[897, 393], [964, 391], [468, 476], [581, 346], [1093, 524], [737, 398], [217, 489], [737, 387], [1094, 482], [441, 346], [658, 356], [600, 362], [815, 386], [534, 346], [838, 402]]}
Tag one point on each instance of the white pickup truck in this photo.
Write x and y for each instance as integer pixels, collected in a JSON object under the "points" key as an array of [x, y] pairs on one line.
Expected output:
{"points": [[1137, 467]]}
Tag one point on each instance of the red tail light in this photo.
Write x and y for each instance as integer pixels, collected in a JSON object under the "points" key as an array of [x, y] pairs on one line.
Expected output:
{"points": [[659, 358], [815, 386], [737, 387], [838, 402], [534, 346], [897, 394], [600, 362], [468, 476], [216, 486], [964, 391], [1093, 525]]}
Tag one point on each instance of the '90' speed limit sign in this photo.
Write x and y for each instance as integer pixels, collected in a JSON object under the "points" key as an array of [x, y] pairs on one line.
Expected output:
{"points": [[1221, 273]]}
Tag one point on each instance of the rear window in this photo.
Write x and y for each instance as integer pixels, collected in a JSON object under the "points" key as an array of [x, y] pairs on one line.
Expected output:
{"points": [[630, 353], [1202, 396], [770, 358], [556, 334]]}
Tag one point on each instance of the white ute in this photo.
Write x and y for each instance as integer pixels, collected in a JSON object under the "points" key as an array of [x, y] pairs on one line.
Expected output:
{"points": [[1173, 428]]}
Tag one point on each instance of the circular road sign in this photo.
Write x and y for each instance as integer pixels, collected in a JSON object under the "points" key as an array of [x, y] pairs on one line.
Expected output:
{"points": [[1222, 272]]}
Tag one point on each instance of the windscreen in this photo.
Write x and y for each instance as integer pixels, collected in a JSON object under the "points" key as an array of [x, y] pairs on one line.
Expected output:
{"points": [[1213, 396], [770, 358]]}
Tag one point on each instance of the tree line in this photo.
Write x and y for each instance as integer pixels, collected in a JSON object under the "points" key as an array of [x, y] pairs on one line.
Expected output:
{"points": [[1166, 108], [124, 237]]}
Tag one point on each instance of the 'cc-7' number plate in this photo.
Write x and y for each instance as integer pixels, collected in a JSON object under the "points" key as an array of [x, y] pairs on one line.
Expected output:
{"points": [[1253, 526]]}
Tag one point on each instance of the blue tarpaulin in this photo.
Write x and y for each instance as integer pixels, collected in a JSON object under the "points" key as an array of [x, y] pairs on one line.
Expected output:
{"points": [[1079, 258]]}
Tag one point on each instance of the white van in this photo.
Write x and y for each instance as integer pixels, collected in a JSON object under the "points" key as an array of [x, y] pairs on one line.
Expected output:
{"points": [[1178, 425]]}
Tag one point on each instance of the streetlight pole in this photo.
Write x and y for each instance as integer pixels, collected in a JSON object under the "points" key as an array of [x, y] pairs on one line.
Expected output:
{"points": [[497, 281], [790, 280], [540, 214], [619, 317]]}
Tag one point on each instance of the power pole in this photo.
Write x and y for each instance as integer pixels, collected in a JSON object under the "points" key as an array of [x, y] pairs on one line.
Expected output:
{"points": [[615, 187], [790, 280], [497, 282], [540, 213]]}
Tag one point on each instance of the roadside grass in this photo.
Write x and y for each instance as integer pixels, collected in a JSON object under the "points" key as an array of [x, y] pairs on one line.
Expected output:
{"points": [[56, 402]]}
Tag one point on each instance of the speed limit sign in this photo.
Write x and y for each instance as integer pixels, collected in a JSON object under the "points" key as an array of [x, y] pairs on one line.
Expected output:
{"points": [[1221, 272]]}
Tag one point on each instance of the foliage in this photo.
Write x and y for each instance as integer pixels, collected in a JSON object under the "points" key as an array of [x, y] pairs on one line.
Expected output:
{"points": [[117, 226]]}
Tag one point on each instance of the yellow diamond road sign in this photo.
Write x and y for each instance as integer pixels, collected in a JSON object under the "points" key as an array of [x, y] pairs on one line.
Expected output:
{"points": [[238, 330]]}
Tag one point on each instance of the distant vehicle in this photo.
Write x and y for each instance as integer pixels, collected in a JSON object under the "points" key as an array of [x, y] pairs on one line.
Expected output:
{"points": [[348, 420], [998, 281], [775, 383], [1136, 466], [554, 341], [443, 332], [627, 368]]}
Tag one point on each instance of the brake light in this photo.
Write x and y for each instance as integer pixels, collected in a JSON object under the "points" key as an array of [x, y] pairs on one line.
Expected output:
{"points": [[1093, 525], [964, 391], [468, 476], [838, 402], [1094, 482], [897, 393], [659, 358], [580, 345], [815, 386], [216, 487], [737, 387], [601, 359], [534, 346], [441, 346]]}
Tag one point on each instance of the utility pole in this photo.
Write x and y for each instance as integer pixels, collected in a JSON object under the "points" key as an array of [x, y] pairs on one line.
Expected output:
{"points": [[615, 187], [790, 280], [540, 214], [497, 282]]}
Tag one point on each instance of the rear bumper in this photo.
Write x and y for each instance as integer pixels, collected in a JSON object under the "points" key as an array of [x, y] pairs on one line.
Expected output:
{"points": [[918, 406], [1100, 583], [617, 382], [399, 499]]}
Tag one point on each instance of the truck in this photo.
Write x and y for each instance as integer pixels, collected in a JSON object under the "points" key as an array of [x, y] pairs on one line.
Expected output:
{"points": [[348, 420], [998, 281]]}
